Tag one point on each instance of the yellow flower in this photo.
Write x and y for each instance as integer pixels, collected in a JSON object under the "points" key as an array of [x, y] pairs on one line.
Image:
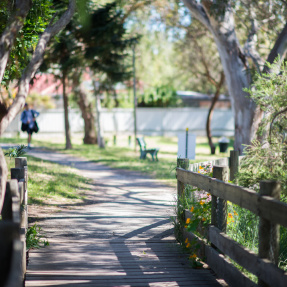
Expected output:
{"points": [[199, 171], [186, 240], [188, 221], [200, 167], [201, 202], [230, 215], [188, 245], [193, 256], [203, 219], [192, 209], [235, 213]]}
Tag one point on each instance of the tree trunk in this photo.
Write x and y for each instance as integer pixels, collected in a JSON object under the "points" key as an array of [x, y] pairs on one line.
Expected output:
{"points": [[237, 79], [235, 68], [88, 116], [211, 109], [208, 121], [100, 140], [66, 113], [3, 177]]}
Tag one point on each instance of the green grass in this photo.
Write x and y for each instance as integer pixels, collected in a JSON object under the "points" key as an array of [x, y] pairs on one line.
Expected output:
{"points": [[124, 157], [49, 183]]}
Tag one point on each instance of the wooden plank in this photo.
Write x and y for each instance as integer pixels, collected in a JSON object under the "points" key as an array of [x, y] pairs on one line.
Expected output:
{"points": [[224, 269], [193, 178], [88, 283], [125, 278], [262, 268], [264, 206]]}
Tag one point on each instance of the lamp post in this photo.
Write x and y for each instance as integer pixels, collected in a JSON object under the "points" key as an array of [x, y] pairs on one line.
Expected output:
{"points": [[135, 94]]}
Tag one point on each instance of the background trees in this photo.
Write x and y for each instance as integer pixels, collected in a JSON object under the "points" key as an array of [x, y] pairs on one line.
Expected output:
{"points": [[94, 43]]}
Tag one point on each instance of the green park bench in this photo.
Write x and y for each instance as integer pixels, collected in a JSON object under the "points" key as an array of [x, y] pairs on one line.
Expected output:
{"points": [[144, 151]]}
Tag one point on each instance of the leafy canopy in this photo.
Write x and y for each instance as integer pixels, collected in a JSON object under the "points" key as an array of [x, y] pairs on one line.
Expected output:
{"points": [[38, 18]]}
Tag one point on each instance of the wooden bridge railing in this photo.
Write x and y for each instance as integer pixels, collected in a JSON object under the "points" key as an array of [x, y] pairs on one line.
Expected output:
{"points": [[215, 249], [13, 227]]}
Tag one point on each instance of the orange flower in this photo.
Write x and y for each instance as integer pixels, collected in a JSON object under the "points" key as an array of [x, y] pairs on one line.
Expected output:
{"points": [[192, 209], [192, 256], [235, 213], [186, 240], [188, 245], [203, 219], [208, 194], [185, 226], [201, 202], [230, 215], [188, 221]]}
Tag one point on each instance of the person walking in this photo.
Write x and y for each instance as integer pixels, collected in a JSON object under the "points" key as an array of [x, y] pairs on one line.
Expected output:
{"points": [[29, 124]]}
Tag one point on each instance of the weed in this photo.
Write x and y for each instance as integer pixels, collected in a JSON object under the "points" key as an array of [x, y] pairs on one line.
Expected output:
{"points": [[34, 239]]}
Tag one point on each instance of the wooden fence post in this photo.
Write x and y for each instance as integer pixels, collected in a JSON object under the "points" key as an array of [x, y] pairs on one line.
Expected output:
{"points": [[9, 233], [269, 233], [20, 172], [182, 163], [20, 162], [233, 163], [218, 205], [17, 173], [12, 193]]}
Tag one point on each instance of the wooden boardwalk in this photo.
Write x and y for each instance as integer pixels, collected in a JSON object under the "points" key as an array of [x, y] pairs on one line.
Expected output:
{"points": [[120, 236]]}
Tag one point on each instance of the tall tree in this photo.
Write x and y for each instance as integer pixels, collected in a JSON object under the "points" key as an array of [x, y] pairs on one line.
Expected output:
{"points": [[219, 18], [94, 42], [14, 24]]}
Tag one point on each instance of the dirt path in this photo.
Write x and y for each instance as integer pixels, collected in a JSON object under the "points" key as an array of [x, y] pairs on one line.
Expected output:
{"points": [[120, 236]]}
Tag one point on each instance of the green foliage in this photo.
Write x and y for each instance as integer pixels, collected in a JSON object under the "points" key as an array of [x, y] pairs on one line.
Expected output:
{"points": [[35, 23], [242, 226], [161, 96], [34, 239], [17, 151], [267, 159]]}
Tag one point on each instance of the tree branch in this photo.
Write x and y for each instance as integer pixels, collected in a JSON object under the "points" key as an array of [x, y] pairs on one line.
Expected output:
{"points": [[279, 49], [274, 117], [8, 37], [250, 45], [198, 12], [34, 64]]}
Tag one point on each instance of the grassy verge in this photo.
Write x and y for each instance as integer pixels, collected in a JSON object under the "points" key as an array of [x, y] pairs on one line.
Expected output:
{"points": [[50, 183], [124, 157]]}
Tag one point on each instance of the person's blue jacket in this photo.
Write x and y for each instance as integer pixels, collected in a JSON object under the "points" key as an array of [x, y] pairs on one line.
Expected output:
{"points": [[29, 116]]}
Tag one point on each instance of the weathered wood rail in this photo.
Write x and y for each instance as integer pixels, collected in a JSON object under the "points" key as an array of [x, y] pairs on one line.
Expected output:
{"points": [[217, 246], [13, 227]]}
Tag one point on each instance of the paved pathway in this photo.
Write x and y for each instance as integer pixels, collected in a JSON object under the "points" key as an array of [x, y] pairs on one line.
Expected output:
{"points": [[120, 236]]}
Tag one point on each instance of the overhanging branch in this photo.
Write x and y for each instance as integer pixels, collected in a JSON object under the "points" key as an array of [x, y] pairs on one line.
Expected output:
{"points": [[198, 12], [8, 37], [279, 49], [34, 64]]}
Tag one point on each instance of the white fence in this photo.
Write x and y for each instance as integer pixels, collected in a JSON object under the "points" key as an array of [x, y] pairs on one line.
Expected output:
{"points": [[150, 121]]}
